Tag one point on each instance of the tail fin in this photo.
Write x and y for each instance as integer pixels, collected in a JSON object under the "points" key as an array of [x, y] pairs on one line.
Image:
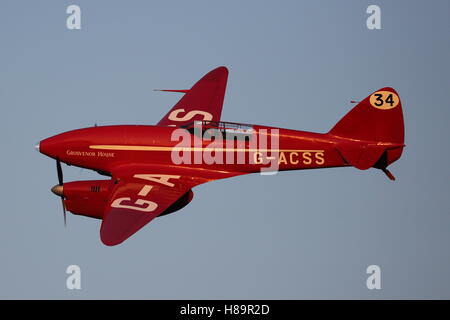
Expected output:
{"points": [[372, 132]]}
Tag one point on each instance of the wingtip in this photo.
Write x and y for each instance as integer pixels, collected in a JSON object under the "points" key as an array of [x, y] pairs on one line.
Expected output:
{"points": [[109, 242], [107, 238], [216, 74], [222, 68]]}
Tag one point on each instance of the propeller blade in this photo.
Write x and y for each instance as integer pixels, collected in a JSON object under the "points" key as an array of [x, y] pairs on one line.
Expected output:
{"points": [[59, 171], [64, 211], [61, 183]]}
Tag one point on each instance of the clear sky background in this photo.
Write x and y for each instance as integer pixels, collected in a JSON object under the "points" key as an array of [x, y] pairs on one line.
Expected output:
{"points": [[293, 64]]}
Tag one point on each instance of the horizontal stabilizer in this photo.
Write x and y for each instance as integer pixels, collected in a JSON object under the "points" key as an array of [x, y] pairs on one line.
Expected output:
{"points": [[360, 155], [363, 155]]}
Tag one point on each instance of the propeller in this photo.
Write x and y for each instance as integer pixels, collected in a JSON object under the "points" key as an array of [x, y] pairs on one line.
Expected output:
{"points": [[60, 173], [58, 189]]}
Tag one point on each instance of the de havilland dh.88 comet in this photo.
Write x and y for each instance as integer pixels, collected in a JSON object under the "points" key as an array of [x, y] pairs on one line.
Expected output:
{"points": [[153, 168]]}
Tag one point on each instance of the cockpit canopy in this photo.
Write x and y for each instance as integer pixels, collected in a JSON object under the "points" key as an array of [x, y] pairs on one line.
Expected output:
{"points": [[227, 129]]}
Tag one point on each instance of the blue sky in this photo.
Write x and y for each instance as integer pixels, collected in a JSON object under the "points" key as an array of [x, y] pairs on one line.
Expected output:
{"points": [[293, 64]]}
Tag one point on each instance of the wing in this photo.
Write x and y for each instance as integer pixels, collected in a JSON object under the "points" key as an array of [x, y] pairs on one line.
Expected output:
{"points": [[142, 193], [202, 102]]}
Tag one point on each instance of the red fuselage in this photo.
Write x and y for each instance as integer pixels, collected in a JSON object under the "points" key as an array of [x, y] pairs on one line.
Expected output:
{"points": [[107, 147]]}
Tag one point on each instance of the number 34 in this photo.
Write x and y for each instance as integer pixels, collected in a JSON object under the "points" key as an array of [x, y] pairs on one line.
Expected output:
{"points": [[384, 100]]}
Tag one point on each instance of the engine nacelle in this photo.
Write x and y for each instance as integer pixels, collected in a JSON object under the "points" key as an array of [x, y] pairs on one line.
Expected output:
{"points": [[87, 198]]}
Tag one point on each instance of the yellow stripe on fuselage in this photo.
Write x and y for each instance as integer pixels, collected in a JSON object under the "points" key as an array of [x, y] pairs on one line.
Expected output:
{"points": [[155, 148]]}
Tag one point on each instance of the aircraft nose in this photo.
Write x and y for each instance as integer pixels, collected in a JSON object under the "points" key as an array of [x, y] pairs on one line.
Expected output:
{"points": [[51, 147], [58, 190]]}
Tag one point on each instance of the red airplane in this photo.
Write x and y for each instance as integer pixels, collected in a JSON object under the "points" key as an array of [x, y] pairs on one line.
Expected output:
{"points": [[153, 169]]}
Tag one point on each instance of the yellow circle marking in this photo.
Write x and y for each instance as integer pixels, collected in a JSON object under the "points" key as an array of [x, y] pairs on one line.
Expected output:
{"points": [[384, 100]]}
